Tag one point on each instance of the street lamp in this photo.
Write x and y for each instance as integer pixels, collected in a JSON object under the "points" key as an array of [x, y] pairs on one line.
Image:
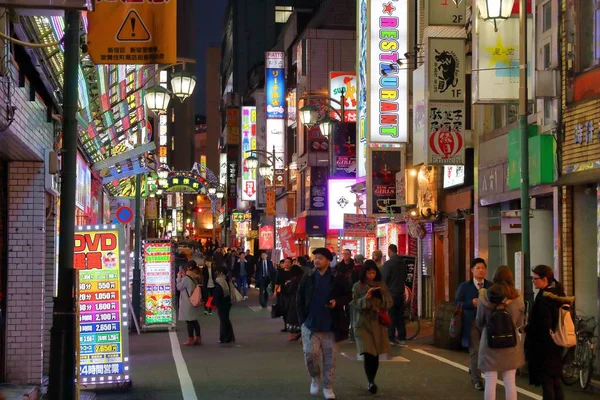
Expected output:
{"points": [[309, 115], [183, 84], [265, 170], [252, 162], [212, 190], [220, 194], [157, 99], [495, 11], [326, 125]]}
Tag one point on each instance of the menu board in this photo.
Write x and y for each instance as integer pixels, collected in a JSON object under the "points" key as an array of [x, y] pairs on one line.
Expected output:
{"points": [[99, 258], [158, 293]]}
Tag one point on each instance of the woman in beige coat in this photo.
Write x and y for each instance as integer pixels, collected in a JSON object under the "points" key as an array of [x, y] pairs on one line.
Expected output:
{"points": [[370, 296], [504, 360]]}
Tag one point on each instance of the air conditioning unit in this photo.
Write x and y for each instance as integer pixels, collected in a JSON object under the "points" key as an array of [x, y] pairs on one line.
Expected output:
{"points": [[547, 83]]}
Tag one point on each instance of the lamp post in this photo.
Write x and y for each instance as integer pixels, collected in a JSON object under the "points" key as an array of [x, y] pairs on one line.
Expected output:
{"points": [[500, 10]]}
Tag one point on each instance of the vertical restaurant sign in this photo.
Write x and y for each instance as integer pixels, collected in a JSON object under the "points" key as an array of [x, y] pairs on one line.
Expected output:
{"points": [[362, 86], [446, 142], [248, 144], [446, 69], [387, 81], [419, 116], [223, 169], [158, 285], [292, 106], [340, 201], [445, 12], [232, 170], [271, 203], [203, 166], [233, 125], [383, 167], [261, 144], [275, 84], [344, 150], [99, 259], [344, 83], [266, 237], [162, 139], [276, 141]]}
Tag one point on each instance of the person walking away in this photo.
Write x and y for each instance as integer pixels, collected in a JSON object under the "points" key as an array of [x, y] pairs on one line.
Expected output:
{"points": [[186, 283], [377, 256], [222, 299], [241, 272], [320, 302], [283, 297], [394, 276], [354, 277], [502, 295], [544, 357], [291, 288], [230, 262], [218, 258], [264, 274], [209, 275], [467, 295], [370, 297]]}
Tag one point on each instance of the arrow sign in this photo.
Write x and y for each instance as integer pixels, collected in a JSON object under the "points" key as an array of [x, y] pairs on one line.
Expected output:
{"points": [[250, 190]]}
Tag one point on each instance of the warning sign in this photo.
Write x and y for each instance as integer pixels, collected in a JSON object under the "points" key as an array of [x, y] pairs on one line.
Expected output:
{"points": [[140, 32], [133, 29]]}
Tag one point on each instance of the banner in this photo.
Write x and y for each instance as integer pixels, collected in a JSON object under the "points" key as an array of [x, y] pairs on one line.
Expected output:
{"points": [[266, 237], [248, 144], [158, 284], [271, 203], [101, 302], [344, 150], [288, 244], [275, 84], [383, 165], [446, 142], [356, 225]]}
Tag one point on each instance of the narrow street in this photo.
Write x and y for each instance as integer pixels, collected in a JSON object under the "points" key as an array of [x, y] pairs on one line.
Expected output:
{"points": [[262, 365]]}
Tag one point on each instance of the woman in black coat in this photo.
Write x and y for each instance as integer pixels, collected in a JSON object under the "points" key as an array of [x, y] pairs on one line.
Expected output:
{"points": [[291, 288], [222, 299], [544, 357]]}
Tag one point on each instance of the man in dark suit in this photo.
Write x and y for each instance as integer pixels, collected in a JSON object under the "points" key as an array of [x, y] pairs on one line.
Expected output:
{"points": [[242, 272], [264, 275], [467, 295]]}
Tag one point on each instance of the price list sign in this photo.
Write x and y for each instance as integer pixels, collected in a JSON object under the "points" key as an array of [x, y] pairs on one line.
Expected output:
{"points": [[158, 294], [102, 304]]}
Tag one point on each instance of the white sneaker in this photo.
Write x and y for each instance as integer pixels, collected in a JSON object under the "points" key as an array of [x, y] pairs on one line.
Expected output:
{"points": [[245, 297], [328, 393], [314, 386], [360, 357]]}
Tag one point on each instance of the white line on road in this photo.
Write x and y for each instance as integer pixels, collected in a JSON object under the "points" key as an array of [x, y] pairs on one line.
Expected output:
{"points": [[185, 380], [462, 367]]}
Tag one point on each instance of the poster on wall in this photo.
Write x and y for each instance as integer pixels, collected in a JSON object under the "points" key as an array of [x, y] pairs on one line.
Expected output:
{"points": [[383, 165], [343, 83], [99, 259], [340, 201], [446, 69], [362, 86], [358, 225], [248, 188], [344, 150], [266, 237], [158, 284], [387, 81], [496, 76], [446, 142], [275, 84]]}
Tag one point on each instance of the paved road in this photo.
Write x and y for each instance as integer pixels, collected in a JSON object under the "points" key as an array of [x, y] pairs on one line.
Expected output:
{"points": [[262, 365]]}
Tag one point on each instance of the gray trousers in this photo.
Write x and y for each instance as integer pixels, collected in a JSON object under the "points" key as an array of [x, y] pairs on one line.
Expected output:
{"points": [[319, 348], [474, 339]]}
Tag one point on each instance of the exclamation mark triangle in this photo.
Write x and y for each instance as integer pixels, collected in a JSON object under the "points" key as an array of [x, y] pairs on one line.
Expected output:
{"points": [[133, 29]]}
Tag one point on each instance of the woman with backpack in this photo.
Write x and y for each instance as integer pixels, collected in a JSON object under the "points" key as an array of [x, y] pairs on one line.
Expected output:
{"points": [[186, 284], [222, 299], [500, 311], [544, 357]]}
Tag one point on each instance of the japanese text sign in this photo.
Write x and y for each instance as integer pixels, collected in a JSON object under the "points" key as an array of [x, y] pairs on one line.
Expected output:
{"points": [[275, 84], [158, 285], [248, 144], [266, 238], [99, 259], [446, 142], [133, 32]]}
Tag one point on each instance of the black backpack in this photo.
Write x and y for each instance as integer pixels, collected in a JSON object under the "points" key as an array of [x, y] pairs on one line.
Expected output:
{"points": [[501, 332]]}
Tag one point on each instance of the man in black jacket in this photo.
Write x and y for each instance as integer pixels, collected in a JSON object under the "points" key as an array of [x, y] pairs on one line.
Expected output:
{"points": [[265, 273], [394, 276], [320, 302]]}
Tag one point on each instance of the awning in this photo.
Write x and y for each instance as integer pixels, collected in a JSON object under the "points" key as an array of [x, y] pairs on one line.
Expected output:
{"points": [[579, 178], [514, 194]]}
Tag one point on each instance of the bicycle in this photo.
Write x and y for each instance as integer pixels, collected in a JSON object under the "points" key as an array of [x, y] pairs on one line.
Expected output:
{"points": [[578, 361], [412, 322]]}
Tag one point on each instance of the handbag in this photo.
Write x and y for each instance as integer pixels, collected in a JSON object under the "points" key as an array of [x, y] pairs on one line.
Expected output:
{"points": [[236, 296], [456, 322], [384, 318], [275, 311], [196, 297]]}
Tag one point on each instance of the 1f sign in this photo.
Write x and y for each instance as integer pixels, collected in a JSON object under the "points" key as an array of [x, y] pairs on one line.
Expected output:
{"points": [[446, 70]]}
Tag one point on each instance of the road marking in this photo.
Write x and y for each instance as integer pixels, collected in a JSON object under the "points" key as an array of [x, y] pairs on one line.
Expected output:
{"points": [[255, 308], [185, 380], [382, 358], [462, 367]]}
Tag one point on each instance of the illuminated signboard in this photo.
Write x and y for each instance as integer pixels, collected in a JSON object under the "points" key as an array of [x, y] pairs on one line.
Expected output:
{"points": [[275, 84], [223, 168], [84, 185], [239, 216], [162, 139], [454, 175], [99, 258], [275, 140], [340, 201], [361, 132], [248, 143], [387, 81], [344, 83], [158, 285], [184, 182]]}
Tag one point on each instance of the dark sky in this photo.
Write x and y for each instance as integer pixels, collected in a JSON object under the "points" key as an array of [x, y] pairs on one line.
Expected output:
{"points": [[209, 27]]}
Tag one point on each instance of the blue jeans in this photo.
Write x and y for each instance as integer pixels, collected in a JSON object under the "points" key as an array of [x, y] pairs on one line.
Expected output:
{"points": [[243, 285]]}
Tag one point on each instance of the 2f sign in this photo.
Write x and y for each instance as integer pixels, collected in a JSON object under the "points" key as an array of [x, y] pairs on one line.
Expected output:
{"points": [[446, 12]]}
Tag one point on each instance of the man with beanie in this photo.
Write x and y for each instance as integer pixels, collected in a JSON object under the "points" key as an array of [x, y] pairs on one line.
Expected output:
{"points": [[320, 302]]}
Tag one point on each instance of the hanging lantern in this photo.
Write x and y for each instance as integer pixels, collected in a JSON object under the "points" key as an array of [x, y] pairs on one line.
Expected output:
{"points": [[183, 84], [495, 11], [157, 99]]}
